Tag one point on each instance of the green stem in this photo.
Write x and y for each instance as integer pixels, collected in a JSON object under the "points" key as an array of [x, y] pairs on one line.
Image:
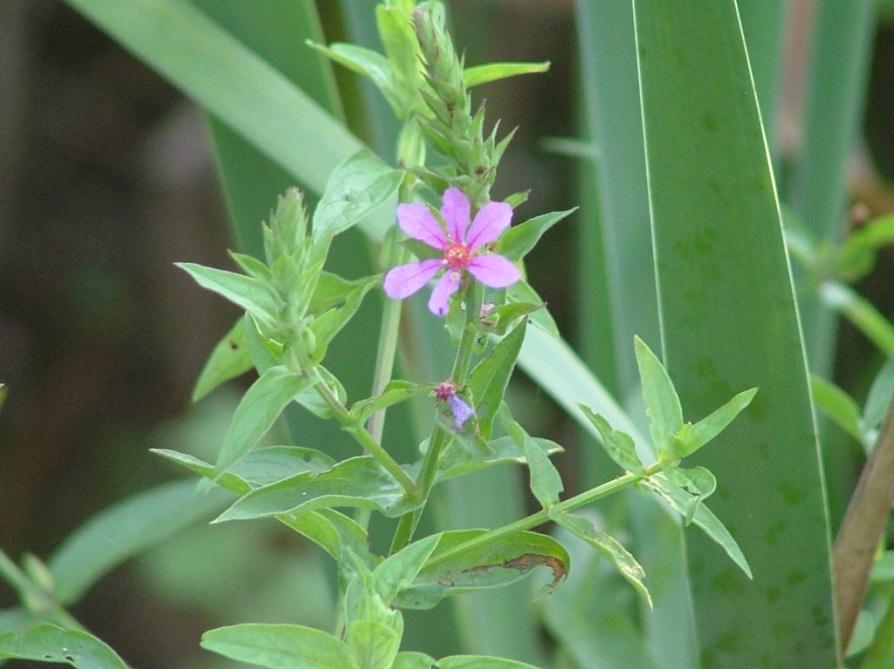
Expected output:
{"points": [[542, 516], [365, 439], [440, 438], [35, 598]]}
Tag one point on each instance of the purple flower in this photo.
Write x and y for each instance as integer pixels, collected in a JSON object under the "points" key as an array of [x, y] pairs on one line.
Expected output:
{"points": [[446, 392], [465, 247]]}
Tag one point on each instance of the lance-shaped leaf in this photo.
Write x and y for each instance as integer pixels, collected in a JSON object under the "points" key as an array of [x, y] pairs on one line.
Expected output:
{"points": [[229, 358], [49, 643], [729, 321], [259, 408], [331, 322], [518, 240], [880, 396], [398, 571], [356, 482], [521, 291], [459, 462], [545, 481], [373, 644], [279, 646], [582, 527], [691, 438], [310, 398], [452, 570], [357, 187], [124, 530], [488, 380], [241, 290], [837, 405], [662, 403], [330, 530], [856, 257], [363, 61], [681, 500], [619, 445], [395, 392], [484, 74], [862, 313], [330, 291]]}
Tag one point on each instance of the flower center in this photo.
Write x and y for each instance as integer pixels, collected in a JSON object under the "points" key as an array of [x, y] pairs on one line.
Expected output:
{"points": [[457, 255]]}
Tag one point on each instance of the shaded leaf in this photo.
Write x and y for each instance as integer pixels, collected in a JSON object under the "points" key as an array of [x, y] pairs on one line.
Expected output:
{"points": [[229, 358], [395, 392], [837, 405], [619, 446], [279, 646], [124, 530], [410, 660], [49, 643], [331, 322], [488, 380], [397, 572], [449, 572], [610, 547], [459, 462], [259, 408], [357, 187], [356, 482], [480, 662], [881, 394], [331, 290], [241, 290], [521, 291]]}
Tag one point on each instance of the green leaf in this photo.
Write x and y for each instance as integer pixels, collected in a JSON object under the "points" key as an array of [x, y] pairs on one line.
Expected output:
{"points": [[397, 572], [452, 571], [521, 291], [698, 482], [279, 646], [837, 405], [356, 482], [881, 394], [399, 39], [125, 530], [619, 446], [709, 427], [258, 410], [861, 313], [504, 450], [241, 290], [506, 316], [310, 399], [856, 257], [357, 187], [332, 290], [49, 643], [395, 392], [229, 358], [253, 267], [483, 74], [681, 500], [363, 61], [330, 323], [583, 528], [662, 403], [373, 644], [480, 662], [329, 529], [545, 481], [719, 255], [410, 660], [518, 240], [3, 393], [488, 380]]}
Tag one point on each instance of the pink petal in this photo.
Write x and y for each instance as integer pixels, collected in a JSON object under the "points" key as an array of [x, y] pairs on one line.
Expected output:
{"points": [[418, 222], [439, 302], [490, 222], [456, 211], [404, 280], [493, 270]]}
